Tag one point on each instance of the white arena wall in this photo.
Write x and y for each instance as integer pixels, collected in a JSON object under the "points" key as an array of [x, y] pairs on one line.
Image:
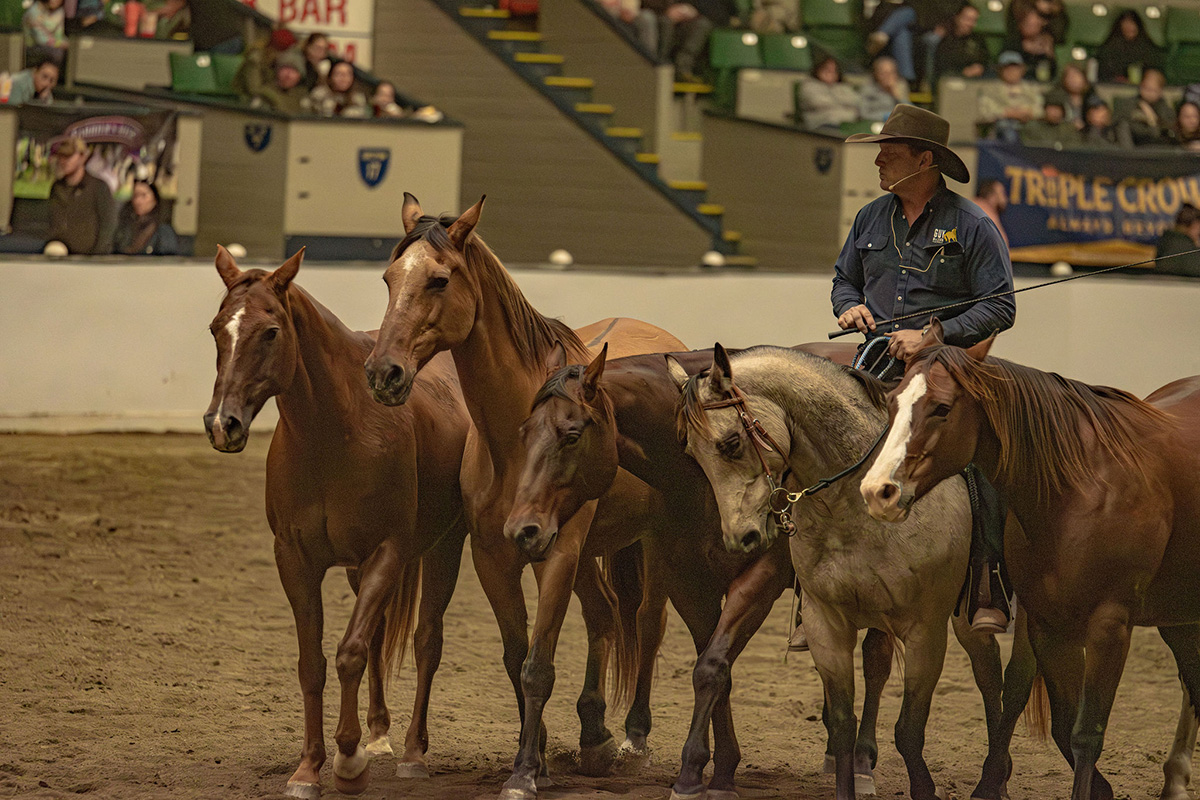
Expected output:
{"points": [[125, 345]]}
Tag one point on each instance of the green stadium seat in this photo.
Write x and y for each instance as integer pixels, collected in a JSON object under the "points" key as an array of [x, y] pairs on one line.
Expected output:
{"points": [[785, 51], [831, 13], [1088, 28], [1155, 19], [733, 49], [1183, 24], [226, 66], [1183, 64], [992, 18], [844, 44], [193, 73]]}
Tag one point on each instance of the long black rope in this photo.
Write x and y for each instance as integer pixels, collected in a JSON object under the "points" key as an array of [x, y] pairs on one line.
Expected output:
{"points": [[932, 311]]}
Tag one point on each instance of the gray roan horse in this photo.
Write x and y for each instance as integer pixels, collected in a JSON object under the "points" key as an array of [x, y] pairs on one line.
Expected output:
{"points": [[856, 572]]}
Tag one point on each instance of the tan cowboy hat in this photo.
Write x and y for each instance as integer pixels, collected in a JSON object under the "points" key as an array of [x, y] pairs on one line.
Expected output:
{"points": [[912, 125]]}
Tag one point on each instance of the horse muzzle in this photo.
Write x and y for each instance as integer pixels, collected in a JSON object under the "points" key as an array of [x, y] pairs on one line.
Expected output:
{"points": [[226, 432], [888, 501], [390, 383], [532, 539]]}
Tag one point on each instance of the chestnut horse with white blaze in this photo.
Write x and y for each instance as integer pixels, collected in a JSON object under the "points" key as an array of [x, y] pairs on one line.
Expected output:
{"points": [[343, 490], [448, 291]]}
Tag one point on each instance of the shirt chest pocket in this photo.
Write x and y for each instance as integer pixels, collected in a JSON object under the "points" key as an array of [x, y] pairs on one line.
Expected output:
{"points": [[876, 251], [945, 269]]}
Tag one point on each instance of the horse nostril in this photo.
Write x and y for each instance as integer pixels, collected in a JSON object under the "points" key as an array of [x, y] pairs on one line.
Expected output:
{"points": [[750, 540], [232, 426], [527, 534], [889, 492], [394, 377]]}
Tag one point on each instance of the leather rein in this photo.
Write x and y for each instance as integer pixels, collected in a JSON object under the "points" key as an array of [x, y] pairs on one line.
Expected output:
{"points": [[780, 501]]}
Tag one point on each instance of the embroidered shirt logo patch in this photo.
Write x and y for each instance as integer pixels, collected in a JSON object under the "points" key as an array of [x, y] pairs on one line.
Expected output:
{"points": [[942, 236]]}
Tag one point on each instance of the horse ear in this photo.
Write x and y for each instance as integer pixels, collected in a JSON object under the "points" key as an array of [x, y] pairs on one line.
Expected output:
{"points": [[676, 371], [593, 373], [410, 212], [227, 268], [557, 359], [720, 378], [281, 278], [980, 351], [463, 226]]}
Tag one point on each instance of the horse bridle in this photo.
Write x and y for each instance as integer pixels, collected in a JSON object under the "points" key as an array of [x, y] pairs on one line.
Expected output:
{"points": [[780, 501]]}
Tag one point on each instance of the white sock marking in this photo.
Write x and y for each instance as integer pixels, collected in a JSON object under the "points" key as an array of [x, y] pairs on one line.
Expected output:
{"points": [[896, 445]]}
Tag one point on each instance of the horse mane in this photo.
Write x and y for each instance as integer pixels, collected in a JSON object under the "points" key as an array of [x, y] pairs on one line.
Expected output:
{"points": [[534, 335], [1042, 420]]}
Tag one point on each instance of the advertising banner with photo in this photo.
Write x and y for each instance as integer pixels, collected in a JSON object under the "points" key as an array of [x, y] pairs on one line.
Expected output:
{"points": [[349, 24], [1090, 195]]}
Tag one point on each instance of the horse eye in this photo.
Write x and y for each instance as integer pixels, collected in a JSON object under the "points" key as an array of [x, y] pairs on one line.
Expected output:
{"points": [[730, 446], [436, 283], [571, 437], [942, 410], [270, 333]]}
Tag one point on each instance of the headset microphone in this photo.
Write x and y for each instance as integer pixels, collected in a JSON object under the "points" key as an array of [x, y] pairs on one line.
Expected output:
{"points": [[915, 174]]}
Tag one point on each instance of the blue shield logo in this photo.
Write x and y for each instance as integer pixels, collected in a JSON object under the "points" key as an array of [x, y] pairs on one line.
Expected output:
{"points": [[258, 136], [373, 165]]}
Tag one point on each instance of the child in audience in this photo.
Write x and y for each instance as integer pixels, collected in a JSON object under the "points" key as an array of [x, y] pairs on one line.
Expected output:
{"points": [[44, 24], [1099, 130], [1073, 92], [1053, 129]]}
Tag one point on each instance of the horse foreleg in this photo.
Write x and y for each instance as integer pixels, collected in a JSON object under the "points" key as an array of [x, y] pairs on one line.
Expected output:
{"points": [[302, 583], [1106, 650], [877, 652], [651, 625], [597, 749], [439, 576], [537, 674], [378, 718], [831, 643], [924, 655], [1184, 641]]}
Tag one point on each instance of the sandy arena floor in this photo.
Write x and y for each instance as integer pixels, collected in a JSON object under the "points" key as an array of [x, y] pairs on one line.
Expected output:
{"points": [[147, 651]]}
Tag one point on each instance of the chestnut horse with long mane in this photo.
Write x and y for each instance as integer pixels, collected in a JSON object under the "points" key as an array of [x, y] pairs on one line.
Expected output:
{"points": [[448, 291], [1107, 490], [343, 490]]}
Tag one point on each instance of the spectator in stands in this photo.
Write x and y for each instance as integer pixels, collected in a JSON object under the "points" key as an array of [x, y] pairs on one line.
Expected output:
{"points": [[141, 231], [963, 51], [82, 212], [683, 30], [1053, 129], [1052, 11], [174, 20], [1006, 106], [339, 96], [826, 101], [890, 29], [285, 92], [641, 23], [1183, 237], [1099, 130], [935, 20], [992, 197], [383, 101], [1186, 132], [84, 13], [44, 24], [1127, 46], [775, 16], [1073, 92], [1147, 115], [316, 60], [1035, 44], [36, 84], [885, 90]]}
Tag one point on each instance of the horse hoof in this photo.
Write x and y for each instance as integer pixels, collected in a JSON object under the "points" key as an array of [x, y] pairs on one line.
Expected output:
{"points": [[722, 794], [350, 773], [379, 747], [864, 784], [830, 767], [303, 791], [352, 786], [411, 769], [631, 758], [526, 791], [688, 796], [544, 781], [597, 761]]}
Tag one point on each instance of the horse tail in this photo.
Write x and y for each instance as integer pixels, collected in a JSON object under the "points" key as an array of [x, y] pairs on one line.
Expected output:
{"points": [[400, 618], [1037, 710], [623, 580]]}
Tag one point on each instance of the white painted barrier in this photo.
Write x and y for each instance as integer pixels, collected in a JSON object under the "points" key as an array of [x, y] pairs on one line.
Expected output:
{"points": [[125, 345]]}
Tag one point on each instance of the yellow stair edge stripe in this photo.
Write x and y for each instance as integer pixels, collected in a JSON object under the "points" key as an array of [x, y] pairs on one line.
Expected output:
{"points": [[688, 186], [731, 236], [570, 83], [741, 261], [624, 133], [648, 158], [540, 58], [710, 209], [484, 13], [687, 136], [693, 88], [515, 36], [595, 108]]}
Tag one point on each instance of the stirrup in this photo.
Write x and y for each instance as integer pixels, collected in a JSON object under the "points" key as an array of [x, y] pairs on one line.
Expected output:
{"points": [[798, 642], [989, 620]]}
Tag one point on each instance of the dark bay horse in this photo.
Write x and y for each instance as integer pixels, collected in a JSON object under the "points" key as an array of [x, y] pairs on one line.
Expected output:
{"points": [[448, 291], [343, 490], [1107, 490], [587, 420], [774, 411]]}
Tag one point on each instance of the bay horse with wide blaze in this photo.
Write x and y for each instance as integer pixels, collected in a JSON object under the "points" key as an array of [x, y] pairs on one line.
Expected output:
{"points": [[343, 490], [448, 291], [1107, 490], [802, 418]]}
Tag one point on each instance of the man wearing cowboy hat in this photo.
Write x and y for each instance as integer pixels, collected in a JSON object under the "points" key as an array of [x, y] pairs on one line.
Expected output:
{"points": [[918, 247]]}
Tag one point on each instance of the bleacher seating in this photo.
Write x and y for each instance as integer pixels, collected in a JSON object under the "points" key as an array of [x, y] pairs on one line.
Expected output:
{"points": [[1089, 23], [728, 51], [1183, 44], [785, 51]]}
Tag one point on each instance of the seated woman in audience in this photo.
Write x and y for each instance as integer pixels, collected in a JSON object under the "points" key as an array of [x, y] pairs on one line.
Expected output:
{"points": [[1052, 11], [826, 101], [1128, 45], [1073, 92], [1036, 46], [338, 96], [44, 24], [1099, 130], [885, 90], [316, 60], [141, 231], [962, 51], [1148, 116], [1186, 132]]}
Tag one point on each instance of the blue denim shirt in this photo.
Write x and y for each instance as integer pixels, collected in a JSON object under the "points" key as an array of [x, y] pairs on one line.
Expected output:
{"points": [[952, 253]]}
